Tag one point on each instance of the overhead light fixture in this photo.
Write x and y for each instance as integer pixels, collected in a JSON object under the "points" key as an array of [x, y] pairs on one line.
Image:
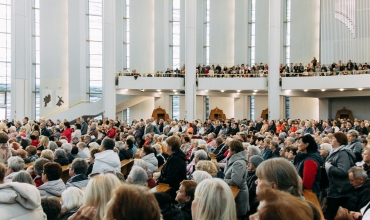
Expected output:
{"points": [[288, 90], [359, 89], [142, 90], [238, 91], [158, 90], [174, 90], [305, 90], [341, 90], [254, 93], [125, 90], [255, 90], [206, 90], [176, 93], [323, 90], [222, 90]]}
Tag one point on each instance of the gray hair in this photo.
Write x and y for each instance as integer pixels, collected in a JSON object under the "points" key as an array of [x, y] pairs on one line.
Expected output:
{"points": [[75, 138], [292, 140], [353, 133], [81, 145], [275, 144], [138, 176], [358, 172], [39, 164], [94, 145], [254, 150], [87, 137], [59, 153], [72, 198], [52, 146], [23, 177], [16, 163], [79, 165], [201, 155], [200, 175], [326, 146], [12, 128], [141, 163], [67, 147], [120, 145]]}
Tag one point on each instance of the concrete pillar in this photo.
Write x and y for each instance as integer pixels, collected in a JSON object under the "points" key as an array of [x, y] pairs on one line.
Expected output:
{"points": [[200, 33], [109, 59], [190, 57], [241, 30], [162, 36], [274, 53]]}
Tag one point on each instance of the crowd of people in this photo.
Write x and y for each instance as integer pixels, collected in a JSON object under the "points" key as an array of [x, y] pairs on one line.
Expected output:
{"points": [[283, 169], [314, 68]]}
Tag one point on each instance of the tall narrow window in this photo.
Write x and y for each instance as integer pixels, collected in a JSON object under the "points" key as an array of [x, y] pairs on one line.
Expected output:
{"points": [[176, 34], [36, 55], [252, 107], [5, 59], [95, 45], [176, 107], [253, 33], [128, 116], [287, 107], [127, 33], [208, 7], [207, 107], [287, 43]]}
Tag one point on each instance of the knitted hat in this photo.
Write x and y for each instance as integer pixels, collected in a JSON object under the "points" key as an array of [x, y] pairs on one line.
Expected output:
{"points": [[256, 160]]}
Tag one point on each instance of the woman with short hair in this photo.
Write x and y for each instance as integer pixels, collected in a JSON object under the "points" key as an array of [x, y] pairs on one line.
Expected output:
{"points": [[147, 154], [23, 177], [31, 154], [51, 177], [60, 157], [138, 176], [71, 201]]}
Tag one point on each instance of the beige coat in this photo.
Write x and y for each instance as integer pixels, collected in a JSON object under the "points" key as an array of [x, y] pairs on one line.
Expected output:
{"points": [[20, 201]]}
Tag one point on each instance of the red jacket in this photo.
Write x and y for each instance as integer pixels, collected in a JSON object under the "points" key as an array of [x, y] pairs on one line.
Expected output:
{"points": [[68, 134], [35, 143], [111, 133]]}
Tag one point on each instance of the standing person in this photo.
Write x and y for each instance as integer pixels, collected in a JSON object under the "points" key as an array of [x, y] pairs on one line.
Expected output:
{"points": [[83, 126], [337, 164], [355, 144], [67, 132], [174, 171], [210, 127], [26, 125], [111, 131], [44, 131]]}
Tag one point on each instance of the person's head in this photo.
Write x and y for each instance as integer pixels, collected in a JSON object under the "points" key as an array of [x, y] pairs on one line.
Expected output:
{"points": [[277, 205], [67, 147], [31, 150], [253, 150], [48, 154], [366, 155], [357, 176], [325, 149], [51, 171], [158, 148], [186, 191], [39, 165], [23, 177], [280, 174], [99, 191], [107, 144], [51, 207], [352, 135], [74, 150], [3, 137], [213, 199], [307, 144], [235, 147], [59, 153], [87, 139], [138, 176], [274, 145], [200, 155], [200, 175], [254, 162], [173, 144], [207, 166], [15, 164], [141, 163], [146, 150], [338, 140], [71, 198], [133, 202], [78, 166], [2, 172]]}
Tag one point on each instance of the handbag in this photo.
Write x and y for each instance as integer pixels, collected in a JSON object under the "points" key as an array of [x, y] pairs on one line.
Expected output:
{"points": [[310, 196], [343, 214]]}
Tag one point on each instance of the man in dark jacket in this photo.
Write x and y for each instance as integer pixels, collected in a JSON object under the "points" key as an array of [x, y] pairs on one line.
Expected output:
{"points": [[210, 127], [355, 144], [160, 126], [83, 126], [185, 196], [77, 173], [361, 196], [44, 131], [174, 170], [259, 124]]}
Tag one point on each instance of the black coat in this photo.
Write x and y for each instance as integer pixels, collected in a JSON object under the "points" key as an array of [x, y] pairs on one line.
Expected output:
{"points": [[45, 132], [125, 154], [186, 210], [174, 171], [62, 161], [360, 198]]}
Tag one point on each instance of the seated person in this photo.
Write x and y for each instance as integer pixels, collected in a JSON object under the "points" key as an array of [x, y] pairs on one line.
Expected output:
{"points": [[107, 159], [168, 209], [15, 164], [138, 176], [77, 173], [51, 207], [93, 151], [60, 157], [53, 184], [125, 150], [185, 197], [31, 154]]}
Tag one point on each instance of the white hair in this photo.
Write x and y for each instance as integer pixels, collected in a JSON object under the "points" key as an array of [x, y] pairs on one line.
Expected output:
{"points": [[141, 163], [200, 175], [254, 150], [94, 145], [52, 146], [72, 198], [67, 147], [16, 163], [201, 155], [326, 146], [138, 176]]}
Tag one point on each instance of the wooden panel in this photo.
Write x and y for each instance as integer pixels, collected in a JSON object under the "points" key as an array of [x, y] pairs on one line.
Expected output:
{"points": [[160, 113], [235, 190], [217, 114], [344, 113], [161, 188]]}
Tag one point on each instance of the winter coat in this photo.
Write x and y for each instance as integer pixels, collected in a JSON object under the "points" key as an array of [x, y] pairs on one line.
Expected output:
{"points": [[185, 210], [252, 188], [174, 171], [9, 177], [342, 159], [78, 181], [62, 161], [236, 175], [5, 153], [52, 188], [356, 147], [360, 197], [106, 161], [20, 201], [151, 161], [84, 127], [125, 154]]}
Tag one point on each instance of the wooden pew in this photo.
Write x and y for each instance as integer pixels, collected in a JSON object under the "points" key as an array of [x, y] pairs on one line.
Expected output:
{"points": [[162, 187], [65, 173], [27, 165], [126, 166], [160, 168], [235, 190], [39, 152]]}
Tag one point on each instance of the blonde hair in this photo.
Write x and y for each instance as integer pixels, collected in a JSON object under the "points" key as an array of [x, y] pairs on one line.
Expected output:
{"points": [[157, 148], [47, 154], [207, 166], [44, 142], [98, 193], [214, 200]]}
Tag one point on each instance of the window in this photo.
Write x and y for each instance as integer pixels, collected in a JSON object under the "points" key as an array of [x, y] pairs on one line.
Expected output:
{"points": [[95, 45], [5, 59], [127, 30], [128, 116], [287, 107], [208, 6], [36, 55], [176, 107], [207, 107], [252, 107], [287, 39], [176, 34], [253, 33]]}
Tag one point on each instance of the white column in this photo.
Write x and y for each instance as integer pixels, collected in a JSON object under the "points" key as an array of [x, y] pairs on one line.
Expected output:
{"points": [[22, 84], [241, 31], [274, 53], [262, 28], [162, 35], [142, 35], [120, 53], [200, 33], [221, 33], [182, 32], [109, 59], [53, 52], [190, 46], [77, 35]]}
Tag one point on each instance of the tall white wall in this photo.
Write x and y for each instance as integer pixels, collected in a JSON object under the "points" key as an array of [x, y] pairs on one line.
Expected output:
{"points": [[226, 104], [142, 110], [201, 108], [323, 108], [241, 32], [142, 35], [304, 108], [358, 105], [262, 31], [260, 104], [162, 16], [337, 41], [304, 31], [221, 33], [164, 102], [201, 31], [242, 107], [53, 51]]}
